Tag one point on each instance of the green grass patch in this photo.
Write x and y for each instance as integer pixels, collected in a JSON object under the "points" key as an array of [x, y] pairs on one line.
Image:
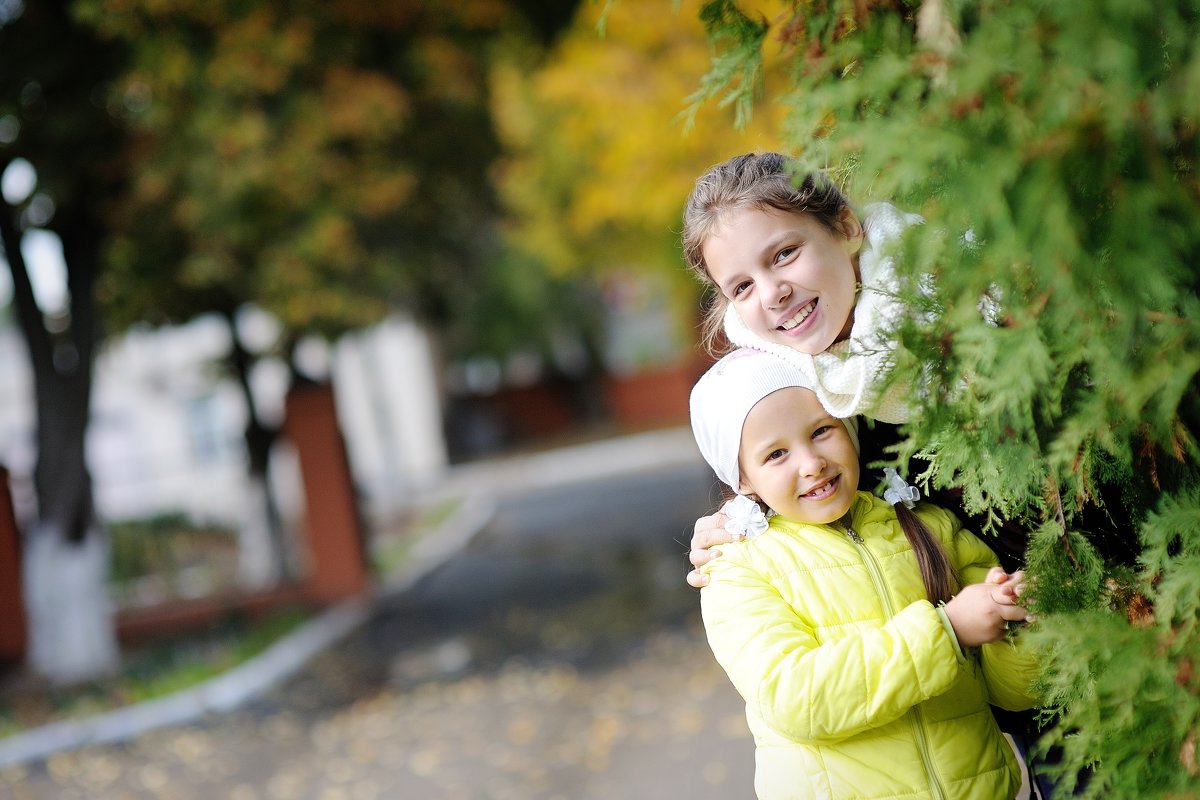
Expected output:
{"points": [[168, 556], [147, 672], [391, 548]]}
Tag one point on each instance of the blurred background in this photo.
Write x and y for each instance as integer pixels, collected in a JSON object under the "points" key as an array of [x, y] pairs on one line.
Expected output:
{"points": [[289, 288]]}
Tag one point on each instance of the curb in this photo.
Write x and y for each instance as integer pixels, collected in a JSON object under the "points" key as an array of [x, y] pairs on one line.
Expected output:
{"points": [[454, 534], [243, 683]]}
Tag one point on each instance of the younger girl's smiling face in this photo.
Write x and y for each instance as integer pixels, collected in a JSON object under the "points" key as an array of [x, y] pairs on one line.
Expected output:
{"points": [[797, 458], [790, 278]]}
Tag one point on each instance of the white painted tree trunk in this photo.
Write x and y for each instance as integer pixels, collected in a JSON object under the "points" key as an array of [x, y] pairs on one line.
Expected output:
{"points": [[72, 635]]}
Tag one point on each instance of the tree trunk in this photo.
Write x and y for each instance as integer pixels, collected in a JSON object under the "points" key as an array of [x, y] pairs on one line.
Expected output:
{"points": [[70, 614], [71, 632], [262, 549]]}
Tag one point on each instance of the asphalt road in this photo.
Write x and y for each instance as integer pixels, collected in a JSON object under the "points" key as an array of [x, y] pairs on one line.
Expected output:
{"points": [[559, 656]]}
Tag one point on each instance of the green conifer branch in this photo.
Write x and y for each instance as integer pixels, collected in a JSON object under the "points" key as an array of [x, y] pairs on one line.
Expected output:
{"points": [[735, 77]]}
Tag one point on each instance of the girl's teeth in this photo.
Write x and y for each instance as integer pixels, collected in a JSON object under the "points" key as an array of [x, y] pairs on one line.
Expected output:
{"points": [[817, 494], [801, 315]]}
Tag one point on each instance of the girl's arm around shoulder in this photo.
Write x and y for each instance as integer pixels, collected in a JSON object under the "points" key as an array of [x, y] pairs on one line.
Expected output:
{"points": [[809, 690]]}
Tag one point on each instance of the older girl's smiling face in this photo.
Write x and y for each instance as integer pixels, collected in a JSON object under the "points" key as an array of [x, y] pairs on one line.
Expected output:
{"points": [[790, 278]]}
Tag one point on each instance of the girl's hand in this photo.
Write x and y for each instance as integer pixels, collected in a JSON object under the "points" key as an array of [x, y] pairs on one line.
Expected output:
{"points": [[996, 575], [1011, 587], [708, 532], [978, 617]]}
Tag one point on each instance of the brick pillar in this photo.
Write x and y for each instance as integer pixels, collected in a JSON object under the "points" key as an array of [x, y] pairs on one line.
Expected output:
{"points": [[12, 607], [333, 527]]}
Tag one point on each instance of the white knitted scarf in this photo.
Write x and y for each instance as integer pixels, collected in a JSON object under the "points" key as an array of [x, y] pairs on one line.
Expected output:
{"points": [[849, 375]]}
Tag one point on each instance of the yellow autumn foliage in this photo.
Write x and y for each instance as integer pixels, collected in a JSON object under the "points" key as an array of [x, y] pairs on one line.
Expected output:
{"points": [[601, 159]]}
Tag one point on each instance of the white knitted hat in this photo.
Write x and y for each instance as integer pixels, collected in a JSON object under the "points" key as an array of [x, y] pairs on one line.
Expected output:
{"points": [[723, 397]]}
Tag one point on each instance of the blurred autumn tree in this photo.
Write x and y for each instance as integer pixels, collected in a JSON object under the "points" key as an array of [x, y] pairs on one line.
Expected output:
{"points": [[326, 162], [598, 156]]}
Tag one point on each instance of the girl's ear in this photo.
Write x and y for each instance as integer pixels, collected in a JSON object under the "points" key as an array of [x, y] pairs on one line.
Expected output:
{"points": [[851, 229]]}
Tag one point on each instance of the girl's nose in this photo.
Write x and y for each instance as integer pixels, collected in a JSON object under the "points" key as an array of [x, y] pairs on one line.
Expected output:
{"points": [[811, 463], [775, 294]]}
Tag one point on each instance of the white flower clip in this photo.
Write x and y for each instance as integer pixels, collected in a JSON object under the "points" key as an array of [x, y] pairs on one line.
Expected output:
{"points": [[898, 491], [746, 518]]}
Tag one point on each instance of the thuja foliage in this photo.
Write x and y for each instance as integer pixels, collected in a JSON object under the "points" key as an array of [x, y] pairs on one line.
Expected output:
{"points": [[1054, 345]]}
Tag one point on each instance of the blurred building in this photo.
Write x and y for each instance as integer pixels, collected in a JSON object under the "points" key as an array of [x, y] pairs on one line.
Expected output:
{"points": [[637, 376], [168, 421]]}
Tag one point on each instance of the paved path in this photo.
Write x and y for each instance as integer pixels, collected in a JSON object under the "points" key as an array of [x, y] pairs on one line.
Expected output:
{"points": [[559, 655]]}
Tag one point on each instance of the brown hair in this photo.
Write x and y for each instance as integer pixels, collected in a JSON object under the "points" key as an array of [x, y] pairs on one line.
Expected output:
{"points": [[936, 572], [753, 180]]}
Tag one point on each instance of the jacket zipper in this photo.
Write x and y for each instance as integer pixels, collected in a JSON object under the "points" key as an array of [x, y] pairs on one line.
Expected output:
{"points": [[915, 717]]}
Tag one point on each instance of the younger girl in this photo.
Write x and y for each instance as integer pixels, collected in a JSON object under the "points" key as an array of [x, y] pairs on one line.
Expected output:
{"points": [[863, 636]]}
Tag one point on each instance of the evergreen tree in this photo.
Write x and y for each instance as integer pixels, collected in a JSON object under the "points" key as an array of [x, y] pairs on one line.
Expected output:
{"points": [[1053, 150]]}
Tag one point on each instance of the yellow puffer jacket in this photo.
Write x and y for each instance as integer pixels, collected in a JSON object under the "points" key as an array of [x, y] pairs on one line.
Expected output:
{"points": [[854, 684]]}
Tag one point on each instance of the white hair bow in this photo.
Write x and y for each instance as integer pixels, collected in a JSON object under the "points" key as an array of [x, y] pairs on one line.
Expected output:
{"points": [[898, 491], [746, 518]]}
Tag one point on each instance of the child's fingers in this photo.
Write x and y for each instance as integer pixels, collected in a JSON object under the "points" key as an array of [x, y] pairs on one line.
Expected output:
{"points": [[1005, 595], [709, 531], [1013, 613], [1008, 588]]}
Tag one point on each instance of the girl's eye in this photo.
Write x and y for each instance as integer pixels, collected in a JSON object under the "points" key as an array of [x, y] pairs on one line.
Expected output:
{"points": [[774, 455], [821, 431], [785, 253], [741, 288]]}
